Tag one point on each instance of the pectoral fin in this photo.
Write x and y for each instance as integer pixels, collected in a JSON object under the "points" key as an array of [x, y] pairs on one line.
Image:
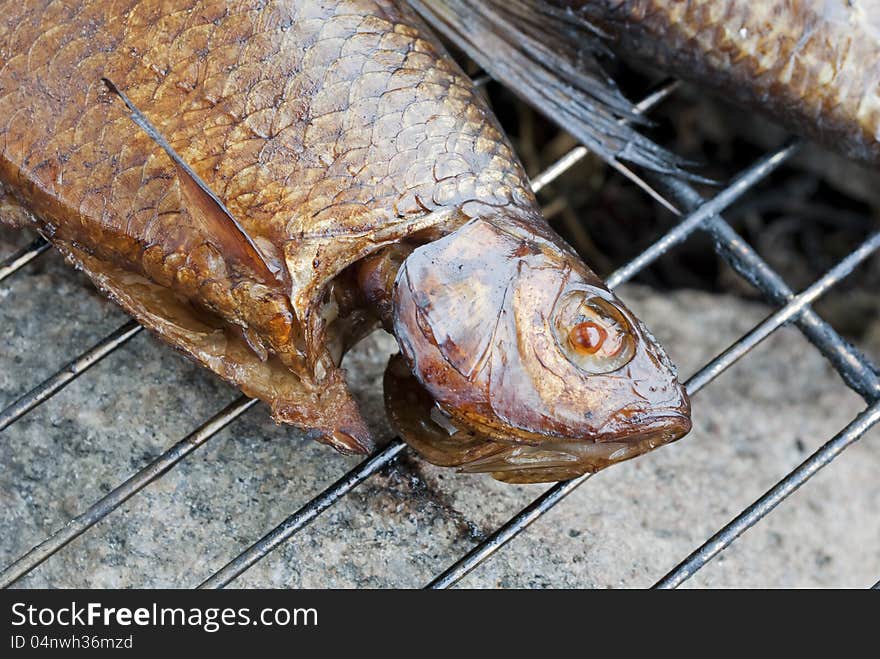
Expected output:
{"points": [[216, 222], [211, 216]]}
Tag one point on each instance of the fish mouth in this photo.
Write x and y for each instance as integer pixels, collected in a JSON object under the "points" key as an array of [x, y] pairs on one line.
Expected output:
{"points": [[453, 440], [556, 459]]}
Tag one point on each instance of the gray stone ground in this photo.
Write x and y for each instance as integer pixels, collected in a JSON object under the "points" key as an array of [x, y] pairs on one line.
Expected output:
{"points": [[624, 528]]}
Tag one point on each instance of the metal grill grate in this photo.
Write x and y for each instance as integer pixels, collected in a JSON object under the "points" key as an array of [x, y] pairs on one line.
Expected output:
{"points": [[698, 215]]}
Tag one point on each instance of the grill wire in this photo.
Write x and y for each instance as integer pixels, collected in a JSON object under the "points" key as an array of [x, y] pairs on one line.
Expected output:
{"points": [[697, 214]]}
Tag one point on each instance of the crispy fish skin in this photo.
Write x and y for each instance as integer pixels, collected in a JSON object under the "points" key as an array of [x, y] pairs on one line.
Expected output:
{"points": [[328, 128], [813, 65]]}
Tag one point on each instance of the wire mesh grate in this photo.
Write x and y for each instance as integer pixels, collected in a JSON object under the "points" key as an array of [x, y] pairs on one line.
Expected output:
{"points": [[698, 215]]}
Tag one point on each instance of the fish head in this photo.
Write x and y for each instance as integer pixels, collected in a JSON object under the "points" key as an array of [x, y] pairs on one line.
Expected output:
{"points": [[516, 360]]}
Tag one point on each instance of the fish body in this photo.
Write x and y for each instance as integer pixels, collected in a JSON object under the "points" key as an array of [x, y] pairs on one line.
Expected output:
{"points": [[263, 183], [811, 65]]}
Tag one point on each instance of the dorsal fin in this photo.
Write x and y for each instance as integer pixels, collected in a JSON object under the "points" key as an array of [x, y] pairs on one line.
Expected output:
{"points": [[549, 58], [204, 205]]}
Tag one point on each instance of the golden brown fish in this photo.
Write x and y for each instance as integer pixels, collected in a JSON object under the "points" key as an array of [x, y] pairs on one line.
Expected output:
{"points": [[263, 183], [812, 65]]}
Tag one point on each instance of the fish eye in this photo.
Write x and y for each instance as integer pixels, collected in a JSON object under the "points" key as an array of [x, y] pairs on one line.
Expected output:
{"points": [[593, 334]]}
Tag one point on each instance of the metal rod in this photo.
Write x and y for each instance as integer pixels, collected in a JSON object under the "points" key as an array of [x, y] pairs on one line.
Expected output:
{"points": [[67, 374], [481, 80], [22, 257], [739, 186], [855, 368], [792, 309], [303, 517], [512, 528], [98, 511], [556, 493], [773, 497]]}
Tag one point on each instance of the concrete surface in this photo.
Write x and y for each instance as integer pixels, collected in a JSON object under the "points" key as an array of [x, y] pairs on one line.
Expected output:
{"points": [[624, 528]]}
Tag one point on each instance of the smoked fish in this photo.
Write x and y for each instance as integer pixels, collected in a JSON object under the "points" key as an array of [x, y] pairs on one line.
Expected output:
{"points": [[262, 183]]}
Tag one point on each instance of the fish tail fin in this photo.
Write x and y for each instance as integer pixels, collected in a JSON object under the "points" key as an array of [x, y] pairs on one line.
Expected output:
{"points": [[549, 57]]}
